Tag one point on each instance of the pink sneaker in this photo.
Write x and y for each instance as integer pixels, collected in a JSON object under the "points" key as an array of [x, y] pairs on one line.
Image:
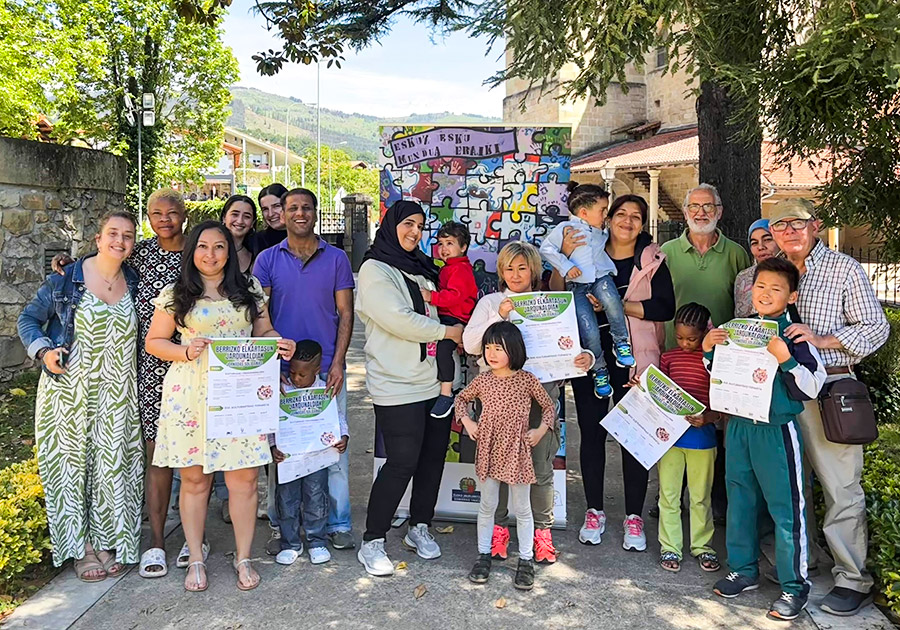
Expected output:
{"points": [[544, 551], [499, 542], [635, 540], [594, 527]]}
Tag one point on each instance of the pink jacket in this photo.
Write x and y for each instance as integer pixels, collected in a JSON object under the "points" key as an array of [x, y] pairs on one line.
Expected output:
{"points": [[647, 338]]}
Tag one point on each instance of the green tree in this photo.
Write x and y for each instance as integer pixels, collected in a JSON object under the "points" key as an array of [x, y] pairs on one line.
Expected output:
{"points": [[132, 46], [815, 74]]}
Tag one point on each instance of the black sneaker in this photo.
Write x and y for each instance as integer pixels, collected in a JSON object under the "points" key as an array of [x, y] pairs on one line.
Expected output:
{"points": [[524, 575], [844, 602], [482, 569], [787, 607], [442, 407], [734, 584]]}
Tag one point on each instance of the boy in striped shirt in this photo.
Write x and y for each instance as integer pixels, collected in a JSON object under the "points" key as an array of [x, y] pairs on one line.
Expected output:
{"points": [[694, 452], [763, 465]]}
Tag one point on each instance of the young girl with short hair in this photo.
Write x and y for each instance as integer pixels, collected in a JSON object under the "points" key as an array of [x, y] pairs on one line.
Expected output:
{"points": [[505, 442]]}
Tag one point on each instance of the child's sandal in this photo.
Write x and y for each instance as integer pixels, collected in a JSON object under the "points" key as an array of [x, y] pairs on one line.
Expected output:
{"points": [[709, 561], [670, 561]]}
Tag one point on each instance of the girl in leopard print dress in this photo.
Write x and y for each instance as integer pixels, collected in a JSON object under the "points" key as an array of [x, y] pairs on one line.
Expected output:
{"points": [[505, 442]]}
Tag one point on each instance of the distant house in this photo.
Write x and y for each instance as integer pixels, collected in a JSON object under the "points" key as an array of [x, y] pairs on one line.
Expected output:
{"points": [[245, 162]]}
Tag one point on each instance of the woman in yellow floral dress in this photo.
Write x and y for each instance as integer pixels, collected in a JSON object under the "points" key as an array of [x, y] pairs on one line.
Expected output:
{"points": [[211, 299]]}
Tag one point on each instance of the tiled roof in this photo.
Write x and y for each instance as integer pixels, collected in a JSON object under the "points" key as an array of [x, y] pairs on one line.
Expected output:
{"points": [[680, 148]]}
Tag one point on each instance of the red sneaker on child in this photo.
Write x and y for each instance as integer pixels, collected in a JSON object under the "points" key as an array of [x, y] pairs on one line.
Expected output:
{"points": [[499, 542]]}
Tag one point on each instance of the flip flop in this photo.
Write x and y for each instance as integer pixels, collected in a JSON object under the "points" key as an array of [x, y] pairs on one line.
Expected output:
{"points": [[237, 570], [196, 586], [184, 556], [153, 557], [709, 558], [89, 562], [669, 556]]}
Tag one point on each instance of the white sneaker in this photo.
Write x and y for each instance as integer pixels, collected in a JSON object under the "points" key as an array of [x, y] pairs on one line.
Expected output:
{"points": [[594, 527], [372, 556], [635, 540], [287, 557], [420, 539], [319, 555]]}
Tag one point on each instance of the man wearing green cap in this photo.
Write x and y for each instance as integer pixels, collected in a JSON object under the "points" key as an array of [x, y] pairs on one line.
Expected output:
{"points": [[843, 319]]}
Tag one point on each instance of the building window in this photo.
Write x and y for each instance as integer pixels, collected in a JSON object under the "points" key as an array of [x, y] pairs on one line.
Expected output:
{"points": [[662, 57]]}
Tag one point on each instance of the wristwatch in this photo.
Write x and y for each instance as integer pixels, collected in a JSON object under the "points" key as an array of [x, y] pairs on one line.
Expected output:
{"points": [[39, 355]]}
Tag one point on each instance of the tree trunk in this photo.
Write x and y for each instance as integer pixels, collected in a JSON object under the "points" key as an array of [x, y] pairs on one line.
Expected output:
{"points": [[731, 165]]}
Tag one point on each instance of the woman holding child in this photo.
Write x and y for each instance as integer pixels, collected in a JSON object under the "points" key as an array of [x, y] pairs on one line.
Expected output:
{"points": [[645, 285], [211, 298], [401, 376], [519, 271]]}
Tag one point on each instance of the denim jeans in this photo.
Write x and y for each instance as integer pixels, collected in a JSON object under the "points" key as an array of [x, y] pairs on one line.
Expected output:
{"points": [[604, 289], [339, 519], [306, 497]]}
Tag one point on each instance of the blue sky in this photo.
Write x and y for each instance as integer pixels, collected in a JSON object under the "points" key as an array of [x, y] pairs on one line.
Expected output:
{"points": [[407, 73]]}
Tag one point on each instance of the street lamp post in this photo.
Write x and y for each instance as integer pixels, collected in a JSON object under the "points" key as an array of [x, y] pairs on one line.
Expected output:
{"points": [[142, 116]]}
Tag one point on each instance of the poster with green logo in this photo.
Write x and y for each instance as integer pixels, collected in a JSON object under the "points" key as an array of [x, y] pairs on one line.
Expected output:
{"points": [[743, 370], [242, 376], [308, 425], [550, 329], [650, 418]]}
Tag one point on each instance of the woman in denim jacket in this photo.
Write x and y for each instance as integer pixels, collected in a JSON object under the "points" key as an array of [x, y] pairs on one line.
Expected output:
{"points": [[82, 327]]}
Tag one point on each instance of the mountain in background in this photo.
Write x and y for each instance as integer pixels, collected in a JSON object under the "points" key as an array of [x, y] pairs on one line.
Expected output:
{"points": [[263, 115]]}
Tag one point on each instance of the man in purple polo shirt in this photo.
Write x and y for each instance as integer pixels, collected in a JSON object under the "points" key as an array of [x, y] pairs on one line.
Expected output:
{"points": [[310, 286]]}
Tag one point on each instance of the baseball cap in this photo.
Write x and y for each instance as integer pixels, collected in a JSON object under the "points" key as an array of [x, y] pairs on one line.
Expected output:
{"points": [[792, 209]]}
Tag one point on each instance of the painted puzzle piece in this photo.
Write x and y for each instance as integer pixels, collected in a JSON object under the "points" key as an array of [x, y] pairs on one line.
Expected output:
{"points": [[448, 187], [523, 199], [516, 171]]}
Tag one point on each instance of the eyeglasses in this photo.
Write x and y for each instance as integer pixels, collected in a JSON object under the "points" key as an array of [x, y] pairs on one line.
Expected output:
{"points": [[708, 208], [796, 225]]}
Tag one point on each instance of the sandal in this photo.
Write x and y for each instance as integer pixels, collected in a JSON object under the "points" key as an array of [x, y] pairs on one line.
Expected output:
{"points": [[184, 556], [197, 586], [670, 561], [112, 568], [237, 570], [150, 560], [709, 561], [89, 563]]}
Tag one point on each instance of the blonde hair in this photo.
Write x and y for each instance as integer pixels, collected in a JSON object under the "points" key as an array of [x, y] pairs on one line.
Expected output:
{"points": [[166, 194], [532, 258]]}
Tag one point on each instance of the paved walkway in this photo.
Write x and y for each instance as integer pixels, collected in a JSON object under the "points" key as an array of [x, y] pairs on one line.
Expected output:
{"points": [[590, 587]]}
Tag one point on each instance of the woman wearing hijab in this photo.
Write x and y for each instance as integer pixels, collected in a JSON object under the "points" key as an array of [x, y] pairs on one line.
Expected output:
{"points": [[402, 332], [762, 246]]}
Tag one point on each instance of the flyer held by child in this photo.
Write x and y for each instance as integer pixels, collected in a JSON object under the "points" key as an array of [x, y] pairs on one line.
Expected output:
{"points": [[550, 329], [651, 416], [308, 425], [242, 386], [743, 372]]}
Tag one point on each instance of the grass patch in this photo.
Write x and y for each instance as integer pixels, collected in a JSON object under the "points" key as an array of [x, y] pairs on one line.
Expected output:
{"points": [[17, 418]]}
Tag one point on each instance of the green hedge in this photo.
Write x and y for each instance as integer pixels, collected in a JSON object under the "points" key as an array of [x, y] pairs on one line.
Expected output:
{"points": [[199, 211], [881, 373], [24, 536]]}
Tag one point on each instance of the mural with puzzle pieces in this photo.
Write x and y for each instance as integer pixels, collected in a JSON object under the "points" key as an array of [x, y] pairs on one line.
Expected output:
{"points": [[505, 183]]}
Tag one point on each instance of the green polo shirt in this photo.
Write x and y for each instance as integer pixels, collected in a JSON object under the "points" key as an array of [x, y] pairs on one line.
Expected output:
{"points": [[706, 279]]}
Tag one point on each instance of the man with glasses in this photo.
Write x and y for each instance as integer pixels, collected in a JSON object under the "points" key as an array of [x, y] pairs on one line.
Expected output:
{"points": [[704, 263], [843, 319]]}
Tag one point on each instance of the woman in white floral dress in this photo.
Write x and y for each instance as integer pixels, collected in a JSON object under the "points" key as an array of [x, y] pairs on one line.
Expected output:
{"points": [[211, 299]]}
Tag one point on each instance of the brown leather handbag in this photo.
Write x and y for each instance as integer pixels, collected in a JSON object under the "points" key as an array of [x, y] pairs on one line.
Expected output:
{"points": [[847, 413]]}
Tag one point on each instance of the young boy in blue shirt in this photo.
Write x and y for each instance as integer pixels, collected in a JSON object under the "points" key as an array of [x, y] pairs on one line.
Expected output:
{"points": [[763, 463]]}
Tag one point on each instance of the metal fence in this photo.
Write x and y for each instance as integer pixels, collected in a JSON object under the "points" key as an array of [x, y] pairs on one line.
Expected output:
{"points": [[883, 274]]}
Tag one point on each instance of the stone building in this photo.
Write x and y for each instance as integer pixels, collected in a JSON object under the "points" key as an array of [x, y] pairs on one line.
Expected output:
{"points": [[51, 198]]}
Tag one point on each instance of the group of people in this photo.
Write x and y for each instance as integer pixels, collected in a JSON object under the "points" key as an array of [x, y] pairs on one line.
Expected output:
{"points": [[120, 335]]}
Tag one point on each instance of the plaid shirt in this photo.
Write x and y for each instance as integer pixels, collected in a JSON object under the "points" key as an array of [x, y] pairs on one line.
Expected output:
{"points": [[836, 298]]}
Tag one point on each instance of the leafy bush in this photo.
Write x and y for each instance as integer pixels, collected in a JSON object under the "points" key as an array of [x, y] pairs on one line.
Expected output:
{"points": [[881, 482], [199, 211], [24, 536], [881, 374]]}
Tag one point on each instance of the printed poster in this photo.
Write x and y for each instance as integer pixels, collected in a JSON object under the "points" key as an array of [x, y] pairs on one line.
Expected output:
{"points": [[308, 421], [549, 327], [650, 417], [743, 370], [242, 387]]}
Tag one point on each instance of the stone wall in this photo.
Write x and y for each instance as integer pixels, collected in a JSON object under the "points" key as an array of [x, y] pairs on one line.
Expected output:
{"points": [[51, 198]]}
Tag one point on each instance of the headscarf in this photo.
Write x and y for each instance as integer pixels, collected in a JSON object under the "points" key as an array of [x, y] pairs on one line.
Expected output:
{"points": [[386, 248], [757, 225]]}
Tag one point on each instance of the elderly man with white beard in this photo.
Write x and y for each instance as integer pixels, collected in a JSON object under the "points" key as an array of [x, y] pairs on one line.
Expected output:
{"points": [[704, 263]]}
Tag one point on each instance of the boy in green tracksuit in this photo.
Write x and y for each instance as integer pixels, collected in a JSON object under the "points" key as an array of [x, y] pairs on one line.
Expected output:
{"points": [[763, 463]]}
